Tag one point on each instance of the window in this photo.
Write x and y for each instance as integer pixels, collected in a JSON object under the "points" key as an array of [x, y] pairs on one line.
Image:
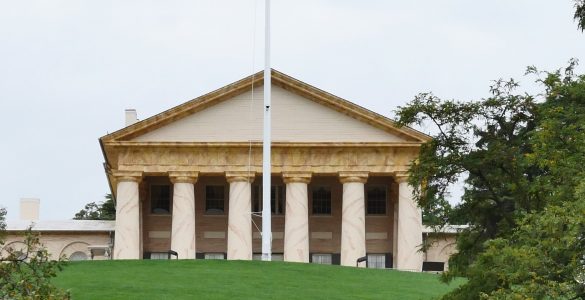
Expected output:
{"points": [[214, 199], [95, 251], [322, 200], [322, 259], [214, 256], [19, 255], [376, 199], [78, 256], [377, 261], [433, 266], [275, 257], [159, 255], [277, 199], [160, 199]]}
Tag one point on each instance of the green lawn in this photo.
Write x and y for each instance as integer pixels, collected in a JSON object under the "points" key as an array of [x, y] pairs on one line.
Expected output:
{"points": [[220, 279]]}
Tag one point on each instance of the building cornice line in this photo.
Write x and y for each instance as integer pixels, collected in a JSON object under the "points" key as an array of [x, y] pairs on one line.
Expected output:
{"points": [[258, 144]]}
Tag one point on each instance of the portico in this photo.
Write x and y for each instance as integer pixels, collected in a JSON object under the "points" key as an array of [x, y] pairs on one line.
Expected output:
{"points": [[336, 196]]}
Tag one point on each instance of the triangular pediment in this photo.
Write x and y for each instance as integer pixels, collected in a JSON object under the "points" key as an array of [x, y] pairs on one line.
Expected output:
{"points": [[300, 113]]}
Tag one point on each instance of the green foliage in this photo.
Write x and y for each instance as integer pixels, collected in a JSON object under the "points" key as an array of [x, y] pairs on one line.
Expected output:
{"points": [[103, 211], [580, 14], [25, 273], [542, 259], [2, 224], [482, 139], [559, 142], [523, 161]]}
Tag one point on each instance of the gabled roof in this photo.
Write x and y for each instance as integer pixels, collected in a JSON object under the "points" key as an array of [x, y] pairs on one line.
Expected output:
{"points": [[279, 79]]}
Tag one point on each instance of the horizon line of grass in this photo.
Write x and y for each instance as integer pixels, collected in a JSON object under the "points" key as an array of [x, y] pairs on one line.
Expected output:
{"points": [[221, 279]]}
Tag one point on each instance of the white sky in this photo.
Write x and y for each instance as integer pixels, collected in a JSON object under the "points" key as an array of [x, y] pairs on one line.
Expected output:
{"points": [[68, 69]]}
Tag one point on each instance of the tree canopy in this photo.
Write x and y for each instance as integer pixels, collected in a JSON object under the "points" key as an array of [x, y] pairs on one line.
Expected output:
{"points": [[580, 14], [522, 158], [103, 211]]}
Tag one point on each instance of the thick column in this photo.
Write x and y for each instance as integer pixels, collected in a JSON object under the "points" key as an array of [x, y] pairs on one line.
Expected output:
{"points": [[183, 224], [240, 216], [127, 239], [409, 229], [296, 222], [353, 218]]}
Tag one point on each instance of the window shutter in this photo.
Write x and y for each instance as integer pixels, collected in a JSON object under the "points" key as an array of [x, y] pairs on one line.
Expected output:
{"points": [[336, 259], [389, 260]]}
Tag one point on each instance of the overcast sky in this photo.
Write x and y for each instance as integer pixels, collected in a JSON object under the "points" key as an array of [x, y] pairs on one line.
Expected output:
{"points": [[68, 69]]}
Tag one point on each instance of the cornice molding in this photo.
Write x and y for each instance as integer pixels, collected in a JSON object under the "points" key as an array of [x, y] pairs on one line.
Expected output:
{"points": [[239, 176], [346, 177], [300, 177], [127, 176], [258, 144], [183, 176], [401, 177]]}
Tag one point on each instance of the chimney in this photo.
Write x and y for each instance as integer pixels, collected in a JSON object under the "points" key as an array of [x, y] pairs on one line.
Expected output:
{"points": [[29, 209], [131, 116]]}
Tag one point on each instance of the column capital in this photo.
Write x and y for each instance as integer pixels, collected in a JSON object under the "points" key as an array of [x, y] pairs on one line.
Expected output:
{"points": [[234, 176], [127, 176], [302, 177], [183, 176], [353, 176], [401, 177]]}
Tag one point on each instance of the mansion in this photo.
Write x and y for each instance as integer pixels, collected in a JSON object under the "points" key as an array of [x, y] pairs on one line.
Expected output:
{"points": [[189, 180]]}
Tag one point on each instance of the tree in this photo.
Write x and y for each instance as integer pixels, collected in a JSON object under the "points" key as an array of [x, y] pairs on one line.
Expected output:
{"points": [[104, 211], [2, 226], [580, 14], [523, 160], [25, 273], [542, 259]]}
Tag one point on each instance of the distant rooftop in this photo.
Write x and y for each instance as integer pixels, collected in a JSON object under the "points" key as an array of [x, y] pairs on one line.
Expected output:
{"points": [[445, 229], [62, 225]]}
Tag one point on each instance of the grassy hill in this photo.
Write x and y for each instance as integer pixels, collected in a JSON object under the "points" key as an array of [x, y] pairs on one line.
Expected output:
{"points": [[220, 279]]}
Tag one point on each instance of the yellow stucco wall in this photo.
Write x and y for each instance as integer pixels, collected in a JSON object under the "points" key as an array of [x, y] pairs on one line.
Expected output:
{"points": [[62, 243], [442, 247]]}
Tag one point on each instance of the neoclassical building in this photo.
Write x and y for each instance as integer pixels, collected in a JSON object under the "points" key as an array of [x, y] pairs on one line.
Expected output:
{"points": [[189, 179]]}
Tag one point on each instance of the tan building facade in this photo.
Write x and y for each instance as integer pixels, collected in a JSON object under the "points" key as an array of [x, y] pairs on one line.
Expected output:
{"points": [[63, 239], [441, 244], [189, 179], [67, 239]]}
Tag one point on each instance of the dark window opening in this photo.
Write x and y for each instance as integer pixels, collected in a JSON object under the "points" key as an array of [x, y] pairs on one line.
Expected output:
{"points": [[321, 200], [433, 266], [214, 199], [160, 199], [376, 200], [277, 199]]}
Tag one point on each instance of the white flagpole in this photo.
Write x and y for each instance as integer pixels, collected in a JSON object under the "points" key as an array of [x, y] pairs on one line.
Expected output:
{"points": [[266, 167]]}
